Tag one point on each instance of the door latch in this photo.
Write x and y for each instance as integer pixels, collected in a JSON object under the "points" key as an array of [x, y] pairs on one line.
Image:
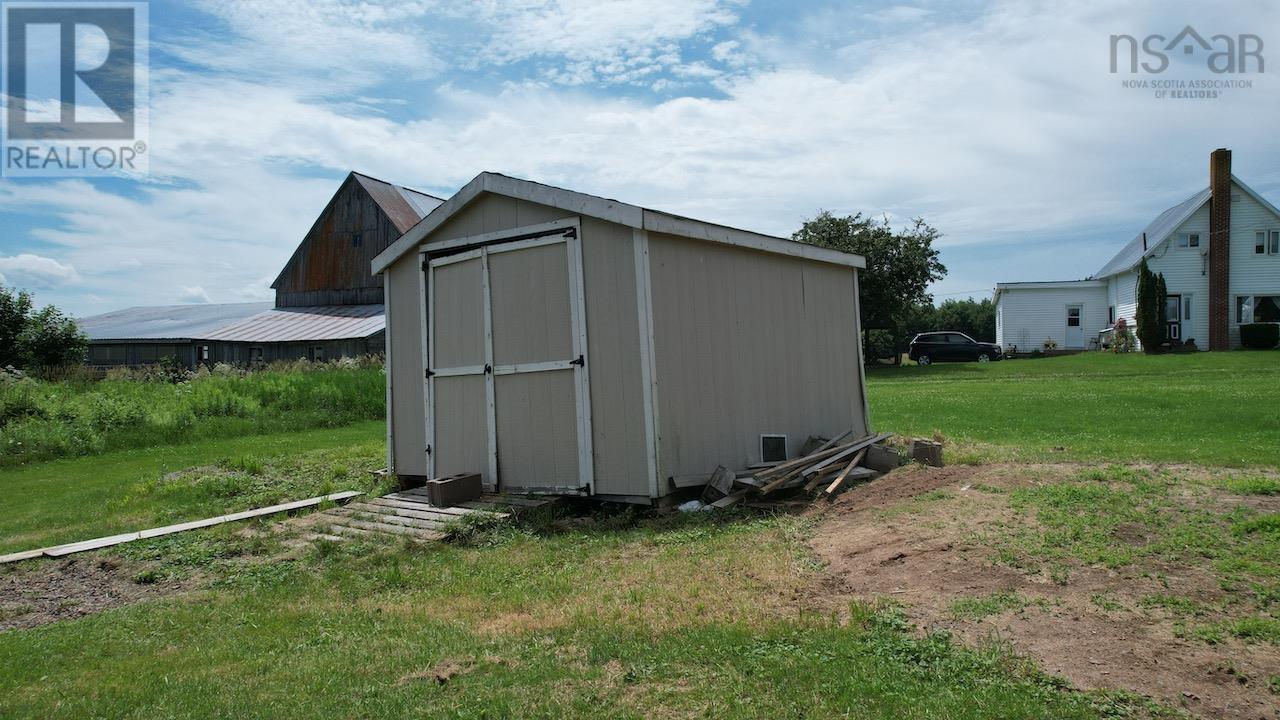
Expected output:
{"points": [[580, 362]]}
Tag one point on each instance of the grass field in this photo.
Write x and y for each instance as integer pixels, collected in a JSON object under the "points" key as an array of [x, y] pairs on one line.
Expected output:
{"points": [[1208, 408], [621, 614], [42, 420], [75, 499]]}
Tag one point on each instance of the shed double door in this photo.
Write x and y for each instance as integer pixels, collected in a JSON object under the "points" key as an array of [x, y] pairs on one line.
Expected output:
{"points": [[507, 386]]}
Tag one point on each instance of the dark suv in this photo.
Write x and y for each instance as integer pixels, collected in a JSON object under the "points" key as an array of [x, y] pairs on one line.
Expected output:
{"points": [[934, 347]]}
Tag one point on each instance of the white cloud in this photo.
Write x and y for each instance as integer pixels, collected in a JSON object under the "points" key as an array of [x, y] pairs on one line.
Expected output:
{"points": [[602, 40], [996, 128], [193, 295], [35, 272]]}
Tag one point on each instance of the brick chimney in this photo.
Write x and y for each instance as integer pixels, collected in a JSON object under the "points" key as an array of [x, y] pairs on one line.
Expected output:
{"points": [[1219, 249]]}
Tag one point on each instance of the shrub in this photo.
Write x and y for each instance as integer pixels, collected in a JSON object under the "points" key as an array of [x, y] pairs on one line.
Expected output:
{"points": [[1260, 336], [1122, 340]]}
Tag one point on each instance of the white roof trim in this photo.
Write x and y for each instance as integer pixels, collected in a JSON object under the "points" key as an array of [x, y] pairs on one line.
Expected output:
{"points": [[604, 209], [1048, 284], [1254, 194]]}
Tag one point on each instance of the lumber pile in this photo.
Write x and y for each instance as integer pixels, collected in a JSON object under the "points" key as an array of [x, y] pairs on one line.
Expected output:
{"points": [[827, 469]]}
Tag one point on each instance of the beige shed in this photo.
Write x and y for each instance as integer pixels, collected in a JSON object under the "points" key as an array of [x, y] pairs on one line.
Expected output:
{"points": [[558, 342]]}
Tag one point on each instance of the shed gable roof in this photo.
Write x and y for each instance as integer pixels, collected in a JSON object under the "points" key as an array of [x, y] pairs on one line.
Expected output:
{"points": [[605, 209]]}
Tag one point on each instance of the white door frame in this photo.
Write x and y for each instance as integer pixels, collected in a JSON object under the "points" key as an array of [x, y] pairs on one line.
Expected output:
{"points": [[1067, 329], [567, 231]]}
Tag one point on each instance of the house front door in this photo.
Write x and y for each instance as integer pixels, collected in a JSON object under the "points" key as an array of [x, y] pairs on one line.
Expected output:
{"points": [[1173, 316]]}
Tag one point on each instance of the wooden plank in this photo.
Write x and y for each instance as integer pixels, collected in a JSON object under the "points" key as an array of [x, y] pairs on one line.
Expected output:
{"points": [[721, 482], [835, 484], [378, 527], [416, 504], [353, 532], [852, 448], [24, 555], [835, 441], [790, 465], [487, 507], [404, 512], [728, 500], [391, 519], [514, 500], [109, 541]]}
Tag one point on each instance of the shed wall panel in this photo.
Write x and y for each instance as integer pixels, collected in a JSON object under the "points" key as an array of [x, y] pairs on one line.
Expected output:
{"points": [[613, 348], [749, 343], [405, 367]]}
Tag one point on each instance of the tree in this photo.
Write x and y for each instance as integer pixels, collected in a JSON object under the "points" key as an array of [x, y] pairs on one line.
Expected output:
{"points": [[900, 265], [15, 306], [975, 318], [1149, 318], [51, 339], [1161, 300]]}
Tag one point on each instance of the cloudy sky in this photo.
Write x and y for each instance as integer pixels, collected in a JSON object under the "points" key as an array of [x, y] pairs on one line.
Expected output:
{"points": [[999, 123]]}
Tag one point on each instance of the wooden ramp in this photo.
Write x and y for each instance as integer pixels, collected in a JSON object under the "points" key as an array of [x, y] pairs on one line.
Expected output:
{"points": [[409, 513]]}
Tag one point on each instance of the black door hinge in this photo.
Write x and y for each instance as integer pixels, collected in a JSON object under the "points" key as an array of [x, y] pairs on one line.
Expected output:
{"points": [[580, 362], [428, 449], [488, 369], [429, 373]]}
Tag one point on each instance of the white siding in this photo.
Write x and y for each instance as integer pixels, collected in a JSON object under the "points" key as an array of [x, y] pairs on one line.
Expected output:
{"points": [[1029, 316], [1186, 273], [1250, 274], [1123, 291]]}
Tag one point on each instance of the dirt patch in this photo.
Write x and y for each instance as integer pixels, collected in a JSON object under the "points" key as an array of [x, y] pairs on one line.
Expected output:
{"points": [[46, 591], [441, 673], [915, 537]]}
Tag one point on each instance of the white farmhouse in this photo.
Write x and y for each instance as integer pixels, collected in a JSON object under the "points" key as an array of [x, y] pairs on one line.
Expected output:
{"points": [[1219, 251]]}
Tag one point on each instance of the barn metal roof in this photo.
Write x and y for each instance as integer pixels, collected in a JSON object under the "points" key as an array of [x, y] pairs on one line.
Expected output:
{"points": [[404, 206], [168, 322], [302, 324]]}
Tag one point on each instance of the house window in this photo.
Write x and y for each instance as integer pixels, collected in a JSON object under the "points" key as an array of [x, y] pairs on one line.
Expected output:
{"points": [[1111, 315], [1266, 242], [1186, 308], [204, 353], [255, 354], [1189, 240], [1073, 317], [317, 353], [1257, 308]]}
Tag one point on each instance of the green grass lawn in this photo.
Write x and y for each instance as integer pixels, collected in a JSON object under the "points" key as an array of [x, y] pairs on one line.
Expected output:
{"points": [[622, 614], [1207, 408], [80, 498], [616, 618]]}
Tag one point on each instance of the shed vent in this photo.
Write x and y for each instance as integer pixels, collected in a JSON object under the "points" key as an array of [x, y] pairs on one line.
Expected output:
{"points": [[773, 448]]}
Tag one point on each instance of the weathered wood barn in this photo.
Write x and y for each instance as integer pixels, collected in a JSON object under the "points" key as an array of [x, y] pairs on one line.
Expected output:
{"points": [[563, 343], [328, 303]]}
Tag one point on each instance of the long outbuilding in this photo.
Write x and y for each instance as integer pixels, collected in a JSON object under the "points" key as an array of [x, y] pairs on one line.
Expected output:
{"points": [[558, 342]]}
